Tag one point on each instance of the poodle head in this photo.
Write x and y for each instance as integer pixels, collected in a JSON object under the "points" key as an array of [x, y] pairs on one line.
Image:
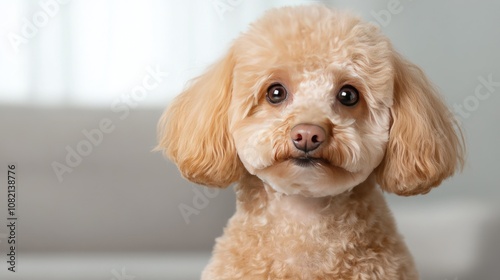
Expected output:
{"points": [[312, 101]]}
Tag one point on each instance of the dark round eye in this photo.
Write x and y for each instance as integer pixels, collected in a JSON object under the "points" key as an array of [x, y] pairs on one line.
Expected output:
{"points": [[348, 95], [276, 93]]}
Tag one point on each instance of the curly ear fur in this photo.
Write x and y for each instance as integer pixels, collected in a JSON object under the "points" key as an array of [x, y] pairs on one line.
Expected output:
{"points": [[424, 148], [193, 131]]}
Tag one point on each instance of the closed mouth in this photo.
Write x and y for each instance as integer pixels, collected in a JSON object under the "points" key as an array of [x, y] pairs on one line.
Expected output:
{"points": [[308, 161]]}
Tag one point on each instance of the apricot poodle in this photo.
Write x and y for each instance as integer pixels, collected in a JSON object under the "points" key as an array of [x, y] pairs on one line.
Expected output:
{"points": [[314, 115]]}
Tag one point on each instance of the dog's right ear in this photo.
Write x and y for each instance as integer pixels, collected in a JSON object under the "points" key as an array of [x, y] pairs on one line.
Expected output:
{"points": [[193, 131]]}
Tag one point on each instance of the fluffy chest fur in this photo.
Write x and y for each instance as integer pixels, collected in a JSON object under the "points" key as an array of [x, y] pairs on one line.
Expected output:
{"points": [[350, 236]]}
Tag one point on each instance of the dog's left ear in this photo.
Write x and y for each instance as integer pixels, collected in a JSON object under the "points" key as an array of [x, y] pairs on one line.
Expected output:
{"points": [[425, 143], [193, 131]]}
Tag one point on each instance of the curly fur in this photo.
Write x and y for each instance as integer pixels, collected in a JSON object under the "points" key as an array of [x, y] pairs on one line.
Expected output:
{"points": [[328, 221]]}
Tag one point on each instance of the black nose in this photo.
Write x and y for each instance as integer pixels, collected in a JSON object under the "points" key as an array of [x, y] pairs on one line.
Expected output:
{"points": [[307, 137]]}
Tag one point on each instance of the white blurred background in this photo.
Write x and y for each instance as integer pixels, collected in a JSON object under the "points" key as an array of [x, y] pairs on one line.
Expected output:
{"points": [[83, 83]]}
